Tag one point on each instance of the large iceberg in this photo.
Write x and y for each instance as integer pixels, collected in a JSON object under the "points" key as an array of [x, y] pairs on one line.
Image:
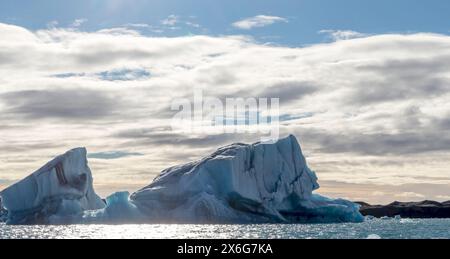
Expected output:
{"points": [[239, 183], [58, 192], [243, 183]]}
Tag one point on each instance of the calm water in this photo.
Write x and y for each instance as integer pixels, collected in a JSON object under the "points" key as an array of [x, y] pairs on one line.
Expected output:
{"points": [[404, 228]]}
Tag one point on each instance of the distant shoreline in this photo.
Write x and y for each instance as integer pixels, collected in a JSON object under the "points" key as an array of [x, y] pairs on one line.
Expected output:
{"points": [[422, 209]]}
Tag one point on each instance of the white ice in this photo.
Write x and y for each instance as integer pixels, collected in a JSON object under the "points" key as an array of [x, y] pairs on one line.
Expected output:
{"points": [[245, 184]]}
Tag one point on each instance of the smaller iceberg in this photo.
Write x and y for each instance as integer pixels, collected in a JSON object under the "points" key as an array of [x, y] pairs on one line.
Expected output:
{"points": [[59, 192], [118, 209]]}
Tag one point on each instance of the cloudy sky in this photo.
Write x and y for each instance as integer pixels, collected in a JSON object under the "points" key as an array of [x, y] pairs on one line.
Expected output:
{"points": [[363, 85]]}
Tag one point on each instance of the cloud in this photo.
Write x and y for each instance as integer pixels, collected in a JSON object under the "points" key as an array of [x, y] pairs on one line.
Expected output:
{"points": [[406, 76], [337, 35], [137, 25], [410, 195], [78, 22], [378, 193], [163, 136], [258, 22], [2, 181], [119, 31], [80, 104], [193, 24], [175, 22], [289, 91], [171, 20], [380, 144], [52, 24], [289, 117], [443, 197], [23, 147]]}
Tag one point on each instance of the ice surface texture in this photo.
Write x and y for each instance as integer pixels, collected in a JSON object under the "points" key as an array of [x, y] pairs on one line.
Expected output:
{"points": [[240, 183], [58, 191], [243, 184]]}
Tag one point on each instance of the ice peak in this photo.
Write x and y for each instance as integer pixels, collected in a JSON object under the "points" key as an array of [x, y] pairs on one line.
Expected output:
{"points": [[67, 179]]}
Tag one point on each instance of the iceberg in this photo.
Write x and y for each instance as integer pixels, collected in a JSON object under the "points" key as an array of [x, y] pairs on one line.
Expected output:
{"points": [[57, 193], [239, 183]]}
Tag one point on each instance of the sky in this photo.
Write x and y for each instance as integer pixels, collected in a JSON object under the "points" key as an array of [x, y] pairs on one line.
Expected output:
{"points": [[364, 86]]}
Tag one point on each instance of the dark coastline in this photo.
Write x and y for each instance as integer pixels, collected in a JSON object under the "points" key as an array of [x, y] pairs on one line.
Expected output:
{"points": [[424, 209]]}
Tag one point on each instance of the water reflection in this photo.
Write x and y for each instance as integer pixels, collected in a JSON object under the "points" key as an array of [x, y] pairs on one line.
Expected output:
{"points": [[408, 228]]}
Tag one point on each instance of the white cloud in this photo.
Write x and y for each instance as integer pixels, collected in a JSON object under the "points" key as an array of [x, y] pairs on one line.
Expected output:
{"points": [[258, 21], [193, 24], [119, 31], [52, 24], [137, 25], [78, 22], [378, 106], [378, 193], [338, 35], [443, 197], [175, 22], [171, 20], [410, 195], [144, 27]]}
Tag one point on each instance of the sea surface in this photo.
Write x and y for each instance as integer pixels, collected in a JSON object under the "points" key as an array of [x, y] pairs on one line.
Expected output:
{"points": [[376, 228]]}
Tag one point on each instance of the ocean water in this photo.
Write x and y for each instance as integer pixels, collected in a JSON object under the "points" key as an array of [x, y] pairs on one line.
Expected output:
{"points": [[377, 228]]}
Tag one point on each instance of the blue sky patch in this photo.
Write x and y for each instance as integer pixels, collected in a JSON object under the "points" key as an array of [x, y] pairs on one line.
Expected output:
{"points": [[124, 74], [287, 22], [109, 155]]}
